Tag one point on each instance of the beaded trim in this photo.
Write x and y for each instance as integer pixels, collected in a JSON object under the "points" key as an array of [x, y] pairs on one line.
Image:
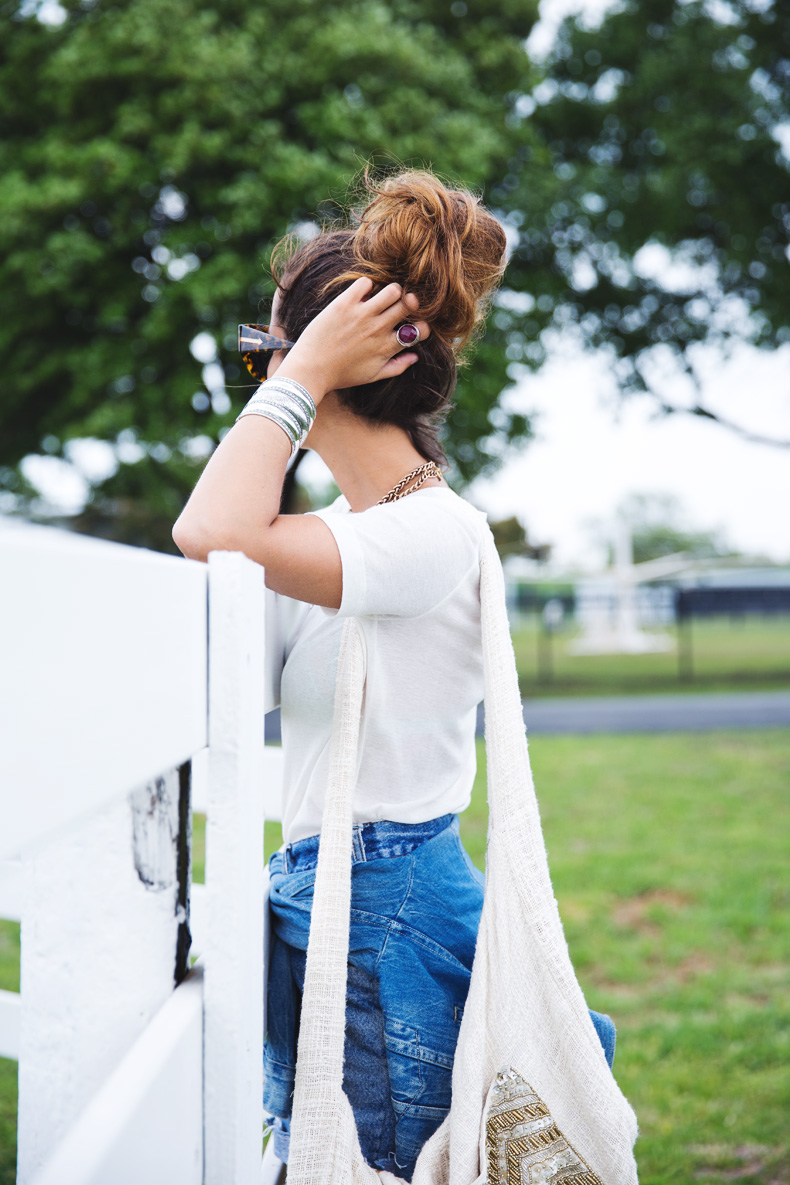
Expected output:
{"points": [[524, 1144]]}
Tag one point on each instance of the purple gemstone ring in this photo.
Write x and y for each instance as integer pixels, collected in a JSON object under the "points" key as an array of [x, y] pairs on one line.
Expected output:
{"points": [[407, 334]]}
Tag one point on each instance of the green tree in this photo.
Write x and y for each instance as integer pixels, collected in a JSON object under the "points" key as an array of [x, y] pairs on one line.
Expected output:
{"points": [[511, 539], [154, 150], [658, 528], [658, 129]]}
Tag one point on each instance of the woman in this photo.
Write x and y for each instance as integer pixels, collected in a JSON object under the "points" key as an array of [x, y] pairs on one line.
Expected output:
{"points": [[408, 569]]}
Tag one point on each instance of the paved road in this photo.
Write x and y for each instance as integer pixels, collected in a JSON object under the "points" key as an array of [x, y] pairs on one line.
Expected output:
{"points": [[657, 713], [641, 713]]}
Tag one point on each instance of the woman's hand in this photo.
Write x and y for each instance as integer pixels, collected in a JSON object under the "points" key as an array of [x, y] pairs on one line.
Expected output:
{"points": [[352, 341]]}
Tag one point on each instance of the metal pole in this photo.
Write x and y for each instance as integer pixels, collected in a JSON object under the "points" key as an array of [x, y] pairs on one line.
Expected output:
{"points": [[545, 664], [685, 639]]}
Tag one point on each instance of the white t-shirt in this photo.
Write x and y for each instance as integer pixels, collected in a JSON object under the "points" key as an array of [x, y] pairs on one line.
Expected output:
{"points": [[411, 576]]}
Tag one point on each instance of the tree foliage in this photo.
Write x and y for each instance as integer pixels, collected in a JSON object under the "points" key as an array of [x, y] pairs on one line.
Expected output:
{"points": [[656, 212], [154, 150], [658, 527], [511, 539]]}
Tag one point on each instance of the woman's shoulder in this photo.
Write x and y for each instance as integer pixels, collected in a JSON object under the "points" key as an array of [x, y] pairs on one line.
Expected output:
{"points": [[440, 509], [433, 504], [436, 513], [437, 517], [406, 557], [446, 501]]}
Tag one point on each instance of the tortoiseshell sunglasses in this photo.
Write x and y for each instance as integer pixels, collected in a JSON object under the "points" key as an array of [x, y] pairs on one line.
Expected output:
{"points": [[257, 346]]}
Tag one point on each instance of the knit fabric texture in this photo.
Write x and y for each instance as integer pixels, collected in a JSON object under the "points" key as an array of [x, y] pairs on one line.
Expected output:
{"points": [[525, 1014]]}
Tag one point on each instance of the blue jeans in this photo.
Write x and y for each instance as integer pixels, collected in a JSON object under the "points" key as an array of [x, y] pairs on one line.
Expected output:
{"points": [[416, 900]]}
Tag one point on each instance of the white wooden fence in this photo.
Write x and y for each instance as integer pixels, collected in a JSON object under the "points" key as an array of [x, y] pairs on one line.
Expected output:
{"points": [[131, 693]]}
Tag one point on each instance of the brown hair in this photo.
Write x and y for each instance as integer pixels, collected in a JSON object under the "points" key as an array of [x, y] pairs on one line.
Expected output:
{"points": [[438, 243]]}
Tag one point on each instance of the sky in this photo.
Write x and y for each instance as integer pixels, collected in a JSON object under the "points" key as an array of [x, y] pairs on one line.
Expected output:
{"points": [[592, 449]]}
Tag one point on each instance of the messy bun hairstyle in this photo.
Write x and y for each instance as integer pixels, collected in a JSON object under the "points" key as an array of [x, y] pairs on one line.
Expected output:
{"points": [[439, 243]]}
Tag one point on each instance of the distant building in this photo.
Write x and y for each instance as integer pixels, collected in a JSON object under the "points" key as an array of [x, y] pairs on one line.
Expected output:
{"points": [[614, 608]]}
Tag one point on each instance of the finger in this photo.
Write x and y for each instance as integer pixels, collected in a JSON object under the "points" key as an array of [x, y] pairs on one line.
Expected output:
{"points": [[403, 310], [397, 365], [359, 289], [387, 298]]}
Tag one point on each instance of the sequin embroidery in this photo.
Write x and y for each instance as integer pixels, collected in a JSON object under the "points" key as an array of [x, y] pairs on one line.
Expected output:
{"points": [[524, 1146]]}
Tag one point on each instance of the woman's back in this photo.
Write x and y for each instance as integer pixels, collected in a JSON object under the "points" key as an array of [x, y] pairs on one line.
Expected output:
{"points": [[411, 579]]}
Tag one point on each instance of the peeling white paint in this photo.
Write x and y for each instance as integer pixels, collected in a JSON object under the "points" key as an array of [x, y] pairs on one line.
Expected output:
{"points": [[154, 810], [98, 950]]}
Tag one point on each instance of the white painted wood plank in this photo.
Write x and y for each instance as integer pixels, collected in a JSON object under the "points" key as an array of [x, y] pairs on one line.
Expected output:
{"points": [[145, 1123], [104, 674], [11, 890], [234, 873], [197, 926], [266, 945], [272, 792], [99, 927], [272, 1169], [10, 1012], [200, 780], [272, 788], [197, 919]]}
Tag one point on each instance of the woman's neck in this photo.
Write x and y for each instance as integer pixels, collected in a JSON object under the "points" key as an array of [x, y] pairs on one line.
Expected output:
{"points": [[365, 458]]}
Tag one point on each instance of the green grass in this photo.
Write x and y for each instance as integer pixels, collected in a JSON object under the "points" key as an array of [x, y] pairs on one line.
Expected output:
{"points": [[9, 956], [7, 1121], [669, 855], [748, 654], [9, 981]]}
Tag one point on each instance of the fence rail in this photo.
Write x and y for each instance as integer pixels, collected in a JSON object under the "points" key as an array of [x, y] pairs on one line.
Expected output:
{"points": [[131, 694], [712, 602]]}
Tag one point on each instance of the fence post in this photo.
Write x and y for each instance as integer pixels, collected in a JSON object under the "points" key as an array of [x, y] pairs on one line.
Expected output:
{"points": [[545, 664], [684, 617], [233, 994]]}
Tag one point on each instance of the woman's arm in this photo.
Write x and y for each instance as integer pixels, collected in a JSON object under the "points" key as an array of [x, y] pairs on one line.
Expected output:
{"points": [[235, 504]]}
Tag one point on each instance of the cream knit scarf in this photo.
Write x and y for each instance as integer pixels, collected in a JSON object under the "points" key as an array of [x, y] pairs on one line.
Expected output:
{"points": [[533, 1098]]}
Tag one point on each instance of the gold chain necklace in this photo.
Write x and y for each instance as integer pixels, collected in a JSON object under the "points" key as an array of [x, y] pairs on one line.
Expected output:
{"points": [[421, 473]]}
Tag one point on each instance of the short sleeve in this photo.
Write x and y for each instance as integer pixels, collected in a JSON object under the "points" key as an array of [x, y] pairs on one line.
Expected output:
{"points": [[403, 558]]}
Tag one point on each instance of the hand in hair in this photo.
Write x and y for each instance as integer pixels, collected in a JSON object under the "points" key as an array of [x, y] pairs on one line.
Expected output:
{"points": [[352, 341]]}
